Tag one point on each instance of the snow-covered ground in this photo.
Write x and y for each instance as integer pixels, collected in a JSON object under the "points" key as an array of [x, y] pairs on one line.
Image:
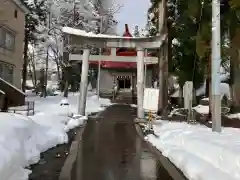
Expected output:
{"points": [[200, 153], [23, 138]]}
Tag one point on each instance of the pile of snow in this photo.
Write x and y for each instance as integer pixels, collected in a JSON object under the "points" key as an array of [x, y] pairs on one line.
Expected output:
{"points": [[199, 152], [234, 116], [224, 87], [201, 109], [52, 104], [23, 138], [133, 105], [224, 90], [50, 84]]}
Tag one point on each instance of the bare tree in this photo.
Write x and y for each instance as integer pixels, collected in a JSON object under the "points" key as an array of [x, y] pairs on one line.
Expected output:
{"points": [[82, 16]]}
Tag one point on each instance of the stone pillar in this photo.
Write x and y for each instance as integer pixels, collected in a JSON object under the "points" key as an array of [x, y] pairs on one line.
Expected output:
{"points": [[84, 82], [140, 82]]}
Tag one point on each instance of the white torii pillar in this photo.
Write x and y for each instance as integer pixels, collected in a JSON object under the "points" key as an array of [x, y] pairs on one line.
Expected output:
{"points": [[84, 82], [140, 82]]}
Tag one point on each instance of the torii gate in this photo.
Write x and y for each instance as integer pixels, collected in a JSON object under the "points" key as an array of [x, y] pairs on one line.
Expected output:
{"points": [[85, 41]]}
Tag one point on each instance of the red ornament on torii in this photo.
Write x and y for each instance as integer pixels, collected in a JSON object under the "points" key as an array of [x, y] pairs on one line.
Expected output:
{"points": [[120, 52]]}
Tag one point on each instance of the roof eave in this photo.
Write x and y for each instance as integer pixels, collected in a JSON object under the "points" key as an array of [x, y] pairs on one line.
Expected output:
{"points": [[21, 6]]}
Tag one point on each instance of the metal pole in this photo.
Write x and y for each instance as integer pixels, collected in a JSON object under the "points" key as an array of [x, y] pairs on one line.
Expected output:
{"points": [[140, 81], [216, 61], [84, 82], [99, 62]]}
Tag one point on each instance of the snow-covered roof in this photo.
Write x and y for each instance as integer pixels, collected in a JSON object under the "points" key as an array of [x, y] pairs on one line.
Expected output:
{"points": [[2, 92], [80, 37], [78, 32], [21, 6]]}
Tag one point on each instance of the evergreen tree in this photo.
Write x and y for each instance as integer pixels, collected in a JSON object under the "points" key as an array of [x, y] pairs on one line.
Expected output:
{"points": [[189, 22], [230, 13]]}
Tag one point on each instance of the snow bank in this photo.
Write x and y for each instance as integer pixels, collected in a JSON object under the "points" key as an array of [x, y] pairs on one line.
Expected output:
{"points": [[224, 90], [23, 138], [199, 152], [234, 116], [201, 109], [51, 104]]}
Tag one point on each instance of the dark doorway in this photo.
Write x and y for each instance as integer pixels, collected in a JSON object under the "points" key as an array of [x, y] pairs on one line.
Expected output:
{"points": [[121, 83], [124, 82], [127, 83]]}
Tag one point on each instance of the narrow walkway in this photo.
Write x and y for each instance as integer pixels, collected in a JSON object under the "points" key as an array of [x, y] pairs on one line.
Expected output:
{"points": [[111, 149], [125, 97]]}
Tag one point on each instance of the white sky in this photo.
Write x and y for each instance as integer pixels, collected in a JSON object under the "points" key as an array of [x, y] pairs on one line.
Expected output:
{"points": [[133, 12]]}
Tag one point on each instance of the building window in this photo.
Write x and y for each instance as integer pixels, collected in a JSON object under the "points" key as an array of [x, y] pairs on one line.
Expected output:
{"points": [[7, 39], [16, 14], [6, 72], [10, 41]]}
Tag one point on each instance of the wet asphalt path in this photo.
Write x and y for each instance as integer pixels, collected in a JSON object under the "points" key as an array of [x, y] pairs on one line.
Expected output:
{"points": [[111, 149]]}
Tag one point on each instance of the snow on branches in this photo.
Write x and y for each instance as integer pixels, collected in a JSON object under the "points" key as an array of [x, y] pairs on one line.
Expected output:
{"points": [[49, 16]]}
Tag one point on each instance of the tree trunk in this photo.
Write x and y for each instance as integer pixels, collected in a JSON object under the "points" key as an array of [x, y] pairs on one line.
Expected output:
{"points": [[207, 93], [34, 73], [34, 77], [58, 70], [167, 53], [46, 72], [25, 62], [42, 83], [66, 83], [194, 98], [209, 77], [180, 100], [235, 62], [65, 92], [231, 80], [31, 73], [65, 73]]}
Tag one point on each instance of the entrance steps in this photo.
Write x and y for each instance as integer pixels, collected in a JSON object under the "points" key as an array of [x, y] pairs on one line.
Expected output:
{"points": [[14, 95]]}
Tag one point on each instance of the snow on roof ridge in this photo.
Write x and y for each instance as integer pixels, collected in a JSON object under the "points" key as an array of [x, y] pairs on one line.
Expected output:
{"points": [[79, 32], [12, 86]]}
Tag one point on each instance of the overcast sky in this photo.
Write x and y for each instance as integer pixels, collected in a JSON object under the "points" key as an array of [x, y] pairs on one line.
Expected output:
{"points": [[133, 12]]}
